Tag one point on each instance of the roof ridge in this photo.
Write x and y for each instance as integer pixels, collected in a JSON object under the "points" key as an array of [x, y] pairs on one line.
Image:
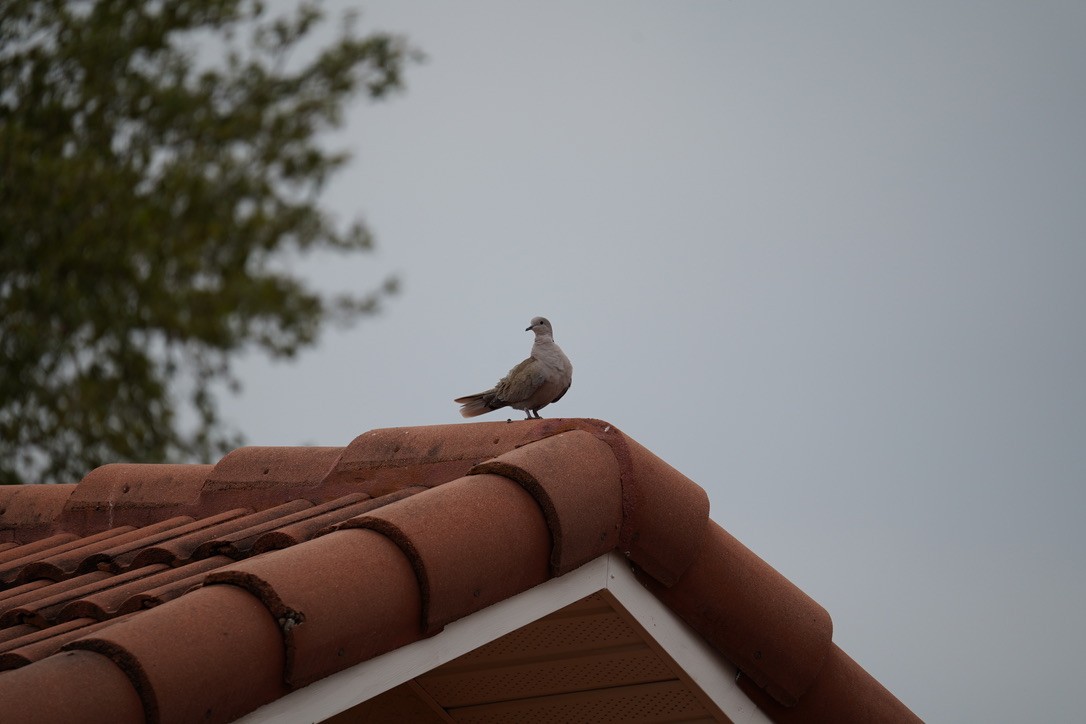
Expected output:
{"points": [[362, 549], [259, 477]]}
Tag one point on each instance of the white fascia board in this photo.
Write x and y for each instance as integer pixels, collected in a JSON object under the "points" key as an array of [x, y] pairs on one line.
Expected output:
{"points": [[341, 691]]}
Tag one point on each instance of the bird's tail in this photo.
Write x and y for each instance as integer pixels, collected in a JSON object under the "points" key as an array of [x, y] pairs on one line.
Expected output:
{"points": [[478, 404]]}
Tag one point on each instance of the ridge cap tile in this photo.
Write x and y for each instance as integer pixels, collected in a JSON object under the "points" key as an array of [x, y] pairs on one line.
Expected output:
{"points": [[260, 477], [472, 542], [30, 512], [383, 460], [775, 633], [844, 691], [134, 484], [267, 466], [97, 692], [665, 515], [575, 480]]}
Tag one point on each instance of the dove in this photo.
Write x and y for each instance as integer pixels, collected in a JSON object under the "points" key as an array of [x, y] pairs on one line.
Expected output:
{"points": [[533, 384]]}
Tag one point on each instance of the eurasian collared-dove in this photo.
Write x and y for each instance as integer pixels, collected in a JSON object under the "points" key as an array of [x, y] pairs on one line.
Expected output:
{"points": [[533, 384]]}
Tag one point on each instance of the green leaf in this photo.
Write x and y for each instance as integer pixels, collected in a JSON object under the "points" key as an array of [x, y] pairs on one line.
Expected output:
{"points": [[145, 194]]}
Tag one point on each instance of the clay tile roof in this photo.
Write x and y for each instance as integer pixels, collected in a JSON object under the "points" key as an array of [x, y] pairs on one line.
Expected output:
{"points": [[180, 593]]}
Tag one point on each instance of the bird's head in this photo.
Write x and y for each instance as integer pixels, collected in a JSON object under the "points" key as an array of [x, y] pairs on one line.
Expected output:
{"points": [[540, 325]]}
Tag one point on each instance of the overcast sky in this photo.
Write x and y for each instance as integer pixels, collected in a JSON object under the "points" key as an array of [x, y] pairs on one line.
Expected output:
{"points": [[827, 259]]}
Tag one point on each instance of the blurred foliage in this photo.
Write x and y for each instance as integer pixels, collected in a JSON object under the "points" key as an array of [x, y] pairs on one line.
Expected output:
{"points": [[159, 166]]}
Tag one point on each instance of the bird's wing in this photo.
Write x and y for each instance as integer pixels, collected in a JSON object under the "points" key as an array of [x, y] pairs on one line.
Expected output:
{"points": [[563, 392], [521, 382]]}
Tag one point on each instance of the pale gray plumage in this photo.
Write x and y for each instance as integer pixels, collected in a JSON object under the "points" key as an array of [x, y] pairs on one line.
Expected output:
{"points": [[533, 384]]}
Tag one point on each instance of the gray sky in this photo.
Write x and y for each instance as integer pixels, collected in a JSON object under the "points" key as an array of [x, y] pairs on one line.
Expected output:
{"points": [[826, 259]]}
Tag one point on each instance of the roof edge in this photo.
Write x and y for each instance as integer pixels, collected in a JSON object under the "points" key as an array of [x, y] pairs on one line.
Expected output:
{"points": [[774, 632]]}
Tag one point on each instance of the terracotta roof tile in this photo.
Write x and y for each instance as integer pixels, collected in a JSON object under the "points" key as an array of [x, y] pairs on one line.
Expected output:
{"points": [[382, 461], [275, 471], [224, 655], [44, 642], [666, 514], [165, 587], [575, 480], [329, 519], [774, 632], [843, 692], [19, 651], [472, 542], [135, 585], [44, 609], [199, 592], [28, 514], [24, 555], [81, 686], [14, 556], [211, 532], [352, 617], [132, 494], [10, 633], [16, 593], [22, 607], [309, 518], [157, 540], [100, 548]]}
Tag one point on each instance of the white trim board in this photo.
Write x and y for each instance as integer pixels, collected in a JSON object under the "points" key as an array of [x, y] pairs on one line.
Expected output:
{"points": [[338, 692]]}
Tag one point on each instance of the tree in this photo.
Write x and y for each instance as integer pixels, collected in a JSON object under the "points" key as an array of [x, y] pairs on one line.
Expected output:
{"points": [[154, 172]]}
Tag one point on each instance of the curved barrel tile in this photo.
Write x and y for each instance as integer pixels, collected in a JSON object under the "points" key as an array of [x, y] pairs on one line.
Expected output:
{"points": [[774, 632], [473, 542], [665, 514], [575, 480], [843, 692], [209, 656], [94, 690], [339, 599]]}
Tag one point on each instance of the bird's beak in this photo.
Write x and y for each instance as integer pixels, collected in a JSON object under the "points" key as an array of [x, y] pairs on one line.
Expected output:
{"points": [[527, 329]]}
